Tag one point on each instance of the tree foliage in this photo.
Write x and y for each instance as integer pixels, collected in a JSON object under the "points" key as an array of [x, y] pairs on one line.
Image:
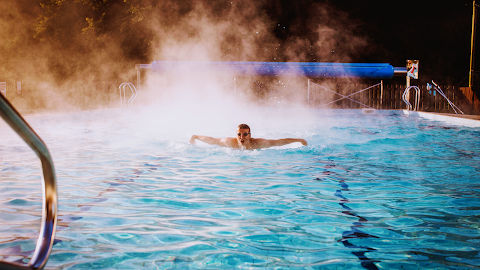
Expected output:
{"points": [[86, 34], [77, 38]]}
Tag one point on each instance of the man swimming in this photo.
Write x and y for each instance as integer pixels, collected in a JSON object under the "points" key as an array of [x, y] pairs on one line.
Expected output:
{"points": [[244, 140]]}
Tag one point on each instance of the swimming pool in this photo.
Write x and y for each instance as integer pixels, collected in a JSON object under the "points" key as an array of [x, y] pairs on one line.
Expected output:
{"points": [[370, 191]]}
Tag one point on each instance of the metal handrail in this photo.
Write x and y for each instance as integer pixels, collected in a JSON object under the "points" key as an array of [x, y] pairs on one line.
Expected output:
{"points": [[49, 187], [134, 93], [440, 91], [406, 95]]}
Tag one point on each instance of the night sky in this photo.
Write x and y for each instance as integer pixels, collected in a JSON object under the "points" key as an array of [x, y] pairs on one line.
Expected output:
{"points": [[437, 33]]}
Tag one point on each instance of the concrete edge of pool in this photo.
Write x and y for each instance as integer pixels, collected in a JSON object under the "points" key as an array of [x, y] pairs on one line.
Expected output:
{"points": [[454, 119]]}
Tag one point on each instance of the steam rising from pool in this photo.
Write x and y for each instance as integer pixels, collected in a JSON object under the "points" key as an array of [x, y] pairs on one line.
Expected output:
{"points": [[71, 56]]}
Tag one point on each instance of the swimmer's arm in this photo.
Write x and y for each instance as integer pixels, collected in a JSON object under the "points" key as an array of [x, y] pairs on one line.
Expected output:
{"points": [[224, 142], [263, 143]]}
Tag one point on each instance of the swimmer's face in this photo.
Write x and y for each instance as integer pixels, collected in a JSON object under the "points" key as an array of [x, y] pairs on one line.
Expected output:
{"points": [[243, 136]]}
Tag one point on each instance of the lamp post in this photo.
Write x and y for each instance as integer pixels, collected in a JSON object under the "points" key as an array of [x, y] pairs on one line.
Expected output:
{"points": [[472, 47]]}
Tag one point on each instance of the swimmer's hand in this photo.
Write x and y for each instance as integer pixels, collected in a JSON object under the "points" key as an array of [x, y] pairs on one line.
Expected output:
{"points": [[192, 140], [303, 142]]}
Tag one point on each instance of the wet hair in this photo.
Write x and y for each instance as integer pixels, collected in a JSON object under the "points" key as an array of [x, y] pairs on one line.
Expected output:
{"points": [[243, 126]]}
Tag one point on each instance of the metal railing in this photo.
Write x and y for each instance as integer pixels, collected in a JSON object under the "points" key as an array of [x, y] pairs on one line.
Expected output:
{"points": [[440, 91], [406, 97], [49, 186], [134, 94]]}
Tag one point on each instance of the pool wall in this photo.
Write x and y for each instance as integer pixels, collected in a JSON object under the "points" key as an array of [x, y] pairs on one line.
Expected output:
{"points": [[461, 120]]}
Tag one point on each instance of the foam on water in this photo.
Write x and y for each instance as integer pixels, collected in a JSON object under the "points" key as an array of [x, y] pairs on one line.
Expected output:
{"points": [[371, 191]]}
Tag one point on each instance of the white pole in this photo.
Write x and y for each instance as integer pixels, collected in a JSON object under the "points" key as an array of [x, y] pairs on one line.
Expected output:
{"points": [[408, 85], [381, 92]]}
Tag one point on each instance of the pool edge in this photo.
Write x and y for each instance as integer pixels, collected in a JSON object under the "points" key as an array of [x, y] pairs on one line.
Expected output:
{"points": [[455, 119]]}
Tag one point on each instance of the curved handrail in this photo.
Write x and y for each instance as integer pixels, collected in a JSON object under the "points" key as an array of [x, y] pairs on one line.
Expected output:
{"points": [[49, 186], [134, 93], [417, 98]]}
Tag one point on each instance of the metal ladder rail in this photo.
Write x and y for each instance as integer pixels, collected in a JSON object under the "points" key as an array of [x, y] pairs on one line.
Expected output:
{"points": [[134, 93], [417, 98], [49, 187], [440, 91]]}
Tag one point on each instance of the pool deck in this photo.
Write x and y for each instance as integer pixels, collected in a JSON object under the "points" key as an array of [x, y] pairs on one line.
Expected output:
{"points": [[455, 119]]}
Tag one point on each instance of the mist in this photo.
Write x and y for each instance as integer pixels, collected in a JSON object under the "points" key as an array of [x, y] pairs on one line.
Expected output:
{"points": [[72, 55]]}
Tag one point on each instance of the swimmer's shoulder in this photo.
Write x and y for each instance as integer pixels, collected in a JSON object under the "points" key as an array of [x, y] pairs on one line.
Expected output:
{"points": [[258, 143], [229, 142]]}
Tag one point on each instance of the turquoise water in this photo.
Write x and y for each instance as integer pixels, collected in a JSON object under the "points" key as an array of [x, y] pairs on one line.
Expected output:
{"points": [[370, 191]]}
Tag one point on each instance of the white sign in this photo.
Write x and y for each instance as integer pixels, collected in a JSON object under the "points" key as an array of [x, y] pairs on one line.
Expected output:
{"points": [[19, 88], [412, 69], [3, 88]]}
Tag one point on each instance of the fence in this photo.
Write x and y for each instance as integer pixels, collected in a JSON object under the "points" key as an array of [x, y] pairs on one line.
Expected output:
{"points": [[389, 98], [31, 96], [34, 96]]}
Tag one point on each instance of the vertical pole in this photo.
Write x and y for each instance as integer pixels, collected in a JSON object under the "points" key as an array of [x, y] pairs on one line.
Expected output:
{"points": [[472, 48], [381, 93], [407, 96]]}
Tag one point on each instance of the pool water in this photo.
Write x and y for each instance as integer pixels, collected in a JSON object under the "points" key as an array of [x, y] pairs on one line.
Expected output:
{"points": [[370, 191]]}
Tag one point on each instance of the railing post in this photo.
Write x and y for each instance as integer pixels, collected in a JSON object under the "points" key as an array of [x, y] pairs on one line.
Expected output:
{"points": [[381, 94]]}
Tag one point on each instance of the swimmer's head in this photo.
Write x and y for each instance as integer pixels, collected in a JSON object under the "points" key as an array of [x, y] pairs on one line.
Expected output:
{"points": [[243, 126], [243, 134]]}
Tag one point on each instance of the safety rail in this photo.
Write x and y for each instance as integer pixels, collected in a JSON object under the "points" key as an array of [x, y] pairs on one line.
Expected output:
{"points": [[49, 186], [439, 90], [134, 93], [406, 95]]}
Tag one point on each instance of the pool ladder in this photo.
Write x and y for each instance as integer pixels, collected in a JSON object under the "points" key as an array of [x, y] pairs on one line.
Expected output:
{"points": [[433, 86], [406, 96], [49, 186], [122, 89]]}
